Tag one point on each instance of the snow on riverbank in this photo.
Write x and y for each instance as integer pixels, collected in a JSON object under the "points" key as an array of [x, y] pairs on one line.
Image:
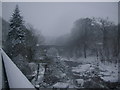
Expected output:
{"points": [[82, 68], [89, 70], [107, 71]]}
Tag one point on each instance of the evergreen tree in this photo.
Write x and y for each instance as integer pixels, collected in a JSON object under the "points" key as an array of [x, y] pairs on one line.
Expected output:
{"points": [[16, 40]]}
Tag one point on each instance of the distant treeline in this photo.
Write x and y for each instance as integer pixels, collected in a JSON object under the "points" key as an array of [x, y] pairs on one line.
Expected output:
{"points": [[92, 36]]}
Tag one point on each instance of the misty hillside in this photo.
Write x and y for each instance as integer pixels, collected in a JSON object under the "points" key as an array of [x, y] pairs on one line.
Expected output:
{"points": [[5, 30]]}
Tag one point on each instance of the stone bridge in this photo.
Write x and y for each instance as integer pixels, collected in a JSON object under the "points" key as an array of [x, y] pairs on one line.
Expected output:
{"points": [[41, 50], [47, 47]]}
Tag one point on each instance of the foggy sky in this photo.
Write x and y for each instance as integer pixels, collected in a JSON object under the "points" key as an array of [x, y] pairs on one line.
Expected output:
{"points": [[55, 19]]}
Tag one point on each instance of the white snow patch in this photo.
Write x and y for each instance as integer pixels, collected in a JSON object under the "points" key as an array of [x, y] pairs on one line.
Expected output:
{"points": [[109, 72], [81, 68], [80, 82], [61, 85]]}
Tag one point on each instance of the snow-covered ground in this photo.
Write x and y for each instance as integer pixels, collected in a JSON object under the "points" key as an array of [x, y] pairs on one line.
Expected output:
{"points": [[107, 71], [85, 70], [37, 80], [61, 85]]}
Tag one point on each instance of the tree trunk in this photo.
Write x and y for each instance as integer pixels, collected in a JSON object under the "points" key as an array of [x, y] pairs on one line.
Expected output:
{"points": [[118, 40], [85, 51], [105, 44], [37, 72]]}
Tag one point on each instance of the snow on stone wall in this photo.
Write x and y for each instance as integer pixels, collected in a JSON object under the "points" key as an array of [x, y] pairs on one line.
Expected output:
{"points": [[0, 72], [15, 77]]}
